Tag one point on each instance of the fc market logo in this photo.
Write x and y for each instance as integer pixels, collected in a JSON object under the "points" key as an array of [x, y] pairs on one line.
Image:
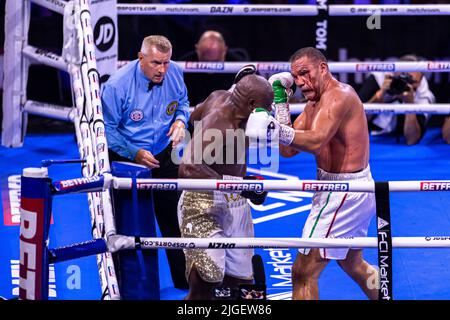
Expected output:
{"points": [[170, 109], [104, 33], [137, 115]]}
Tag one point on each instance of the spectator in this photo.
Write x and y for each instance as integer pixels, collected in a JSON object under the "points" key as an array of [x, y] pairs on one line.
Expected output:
{"points": [[407, 87], [146, 109], [211, 47]]}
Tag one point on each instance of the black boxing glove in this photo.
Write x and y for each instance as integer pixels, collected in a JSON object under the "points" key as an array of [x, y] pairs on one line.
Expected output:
{"points": [[256, 197]]}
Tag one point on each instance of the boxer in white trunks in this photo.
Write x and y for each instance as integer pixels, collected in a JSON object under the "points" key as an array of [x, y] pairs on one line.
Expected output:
{"points": [[215, 214], [333, 127]]}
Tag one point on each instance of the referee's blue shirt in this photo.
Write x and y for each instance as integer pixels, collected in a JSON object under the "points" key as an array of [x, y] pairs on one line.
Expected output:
{"points": [[137, 117]]}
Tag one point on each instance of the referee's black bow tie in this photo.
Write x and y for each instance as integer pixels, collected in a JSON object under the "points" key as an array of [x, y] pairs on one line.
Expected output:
{"points": [[152, 84]]}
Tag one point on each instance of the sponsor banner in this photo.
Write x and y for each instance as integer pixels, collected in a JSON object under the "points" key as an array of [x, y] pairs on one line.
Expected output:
{"points": [[325, 186], [384, 240], [11, 194], [94, 183], [200, 66], [35, 211], [166, 244], [373, 67], [15, 278], [207, 9], [437, 238], [157, 185], [242, 186], [104, 27], [408, 10], [11, 201], [273, 67], [322, 25], [35, 208], [438, 66], [435, 186], [220, 245]]}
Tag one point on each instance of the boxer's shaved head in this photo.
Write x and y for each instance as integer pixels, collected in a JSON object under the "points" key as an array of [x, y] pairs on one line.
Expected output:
{"points": [[253, 88]]}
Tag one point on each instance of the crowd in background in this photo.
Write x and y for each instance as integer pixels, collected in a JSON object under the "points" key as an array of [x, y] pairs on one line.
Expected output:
{"points": [[244, 41]]}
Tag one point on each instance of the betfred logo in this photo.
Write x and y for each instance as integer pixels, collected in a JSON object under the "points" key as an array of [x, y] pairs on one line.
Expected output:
{"points": [[325, 186], [11, 201], [205, 65], [438, 66], [367, 67], [30, 258], [67, 184], [157, 186], [247, 186], [275, 67], [11, 195], [435, 186]]}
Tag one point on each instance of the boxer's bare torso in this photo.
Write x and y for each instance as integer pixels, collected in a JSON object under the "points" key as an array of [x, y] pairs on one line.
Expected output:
{"points": [[333, 125]]}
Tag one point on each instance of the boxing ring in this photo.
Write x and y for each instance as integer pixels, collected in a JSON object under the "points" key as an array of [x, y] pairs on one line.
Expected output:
{"points": [[38, 190], [86, 115]]}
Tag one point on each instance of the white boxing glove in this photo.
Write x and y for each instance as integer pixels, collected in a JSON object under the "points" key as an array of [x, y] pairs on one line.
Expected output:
{"points": [[263, 127]]}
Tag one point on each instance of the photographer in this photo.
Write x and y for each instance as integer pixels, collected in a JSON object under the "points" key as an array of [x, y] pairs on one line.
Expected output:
{"points": [[405, 87]]}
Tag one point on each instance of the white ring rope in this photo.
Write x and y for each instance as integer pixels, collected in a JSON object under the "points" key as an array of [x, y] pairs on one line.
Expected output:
{"points": [[119, 242], [276, 66], [281, 10], [50, 110], [376, 108], [287, 185], [45, 57], [53, 5], [216, 9], [389, 10], [101, 202], [264, 10]]}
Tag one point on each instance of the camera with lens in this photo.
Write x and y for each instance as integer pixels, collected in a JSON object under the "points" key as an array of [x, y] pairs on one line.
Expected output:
{"points": [[400, 83]]}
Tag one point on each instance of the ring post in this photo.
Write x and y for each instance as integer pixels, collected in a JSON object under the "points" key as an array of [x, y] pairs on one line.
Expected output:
{"points": [[384, 240], [35, 211], [138, 272]]}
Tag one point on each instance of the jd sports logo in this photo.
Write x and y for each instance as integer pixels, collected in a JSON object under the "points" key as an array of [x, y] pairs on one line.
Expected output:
{"points": [[104, 33]]}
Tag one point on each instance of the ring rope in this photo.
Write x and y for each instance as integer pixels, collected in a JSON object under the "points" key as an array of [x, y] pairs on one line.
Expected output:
{"points": [[389, 10], [277, 66], [119, 242], [105, 181], [376, 108], [264, 10], [216, 10]]}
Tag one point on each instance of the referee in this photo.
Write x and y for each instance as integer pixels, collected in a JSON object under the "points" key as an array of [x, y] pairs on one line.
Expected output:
{"points": [[146, 108]]}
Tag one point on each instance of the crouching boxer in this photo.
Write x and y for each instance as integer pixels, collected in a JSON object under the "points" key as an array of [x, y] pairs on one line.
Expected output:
{"points": [[214, 214]]}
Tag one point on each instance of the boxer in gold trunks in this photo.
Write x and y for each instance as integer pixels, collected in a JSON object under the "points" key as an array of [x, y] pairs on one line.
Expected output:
{"points": [[215, 214]]}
